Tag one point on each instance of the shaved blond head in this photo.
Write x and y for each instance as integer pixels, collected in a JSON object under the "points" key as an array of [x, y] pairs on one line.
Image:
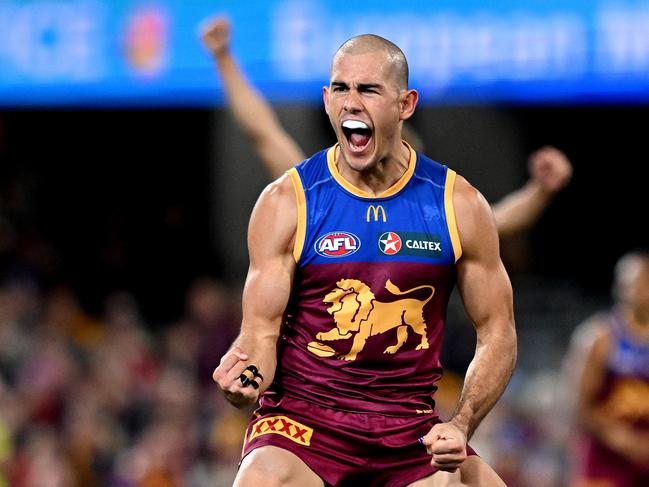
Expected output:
{"points": [[627, 269], [367, 43]]}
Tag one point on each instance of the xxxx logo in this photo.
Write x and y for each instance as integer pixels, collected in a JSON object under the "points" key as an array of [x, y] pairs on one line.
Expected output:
{"points": [[281, 425]]}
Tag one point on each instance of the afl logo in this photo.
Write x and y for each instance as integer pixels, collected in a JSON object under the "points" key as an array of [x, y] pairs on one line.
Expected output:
{"points": [[390, 243], [337, 244]]}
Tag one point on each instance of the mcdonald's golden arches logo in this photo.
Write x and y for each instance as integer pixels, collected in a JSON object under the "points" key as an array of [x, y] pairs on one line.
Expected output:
{"points": [[375, 211]]}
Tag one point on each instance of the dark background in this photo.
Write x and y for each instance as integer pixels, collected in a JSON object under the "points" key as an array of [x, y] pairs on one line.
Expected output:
{"points": [[143, 199]]}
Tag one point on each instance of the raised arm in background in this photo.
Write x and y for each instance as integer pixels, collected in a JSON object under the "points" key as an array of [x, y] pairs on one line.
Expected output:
{"points": [[276, 148], [550, 171]]}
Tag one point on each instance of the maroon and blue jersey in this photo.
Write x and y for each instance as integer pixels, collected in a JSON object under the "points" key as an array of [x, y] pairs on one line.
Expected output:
{"points": [[364, 324], [624, 397], [625, 391]]}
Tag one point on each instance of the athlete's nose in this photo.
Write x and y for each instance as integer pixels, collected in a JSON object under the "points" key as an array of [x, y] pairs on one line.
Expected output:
{"points": [[352, 102]]}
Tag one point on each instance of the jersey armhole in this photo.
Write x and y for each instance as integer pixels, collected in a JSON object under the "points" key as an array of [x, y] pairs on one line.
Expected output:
{"points": [[450, 213], [300, 232]]}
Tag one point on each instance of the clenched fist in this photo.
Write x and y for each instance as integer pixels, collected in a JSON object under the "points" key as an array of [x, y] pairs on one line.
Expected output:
{"points": [[227, 374], [447, 445], [215, 34], [550, 168]]}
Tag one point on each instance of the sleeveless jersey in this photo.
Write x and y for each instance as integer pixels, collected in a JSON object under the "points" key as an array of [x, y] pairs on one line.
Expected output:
{"points": [[625, 392], [364, 324]]}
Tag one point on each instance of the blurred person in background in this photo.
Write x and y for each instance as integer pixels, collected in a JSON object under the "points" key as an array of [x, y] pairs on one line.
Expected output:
{"points": [[550, 169], [608, 367], [209, 310], [351, 410]]}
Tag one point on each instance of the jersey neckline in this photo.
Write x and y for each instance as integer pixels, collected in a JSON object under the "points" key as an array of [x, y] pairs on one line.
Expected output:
{"points": [[391, 191]]}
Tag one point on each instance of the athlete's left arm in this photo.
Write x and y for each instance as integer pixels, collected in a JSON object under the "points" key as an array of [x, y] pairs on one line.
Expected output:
{"points": [[486, 291], [487, 294]]}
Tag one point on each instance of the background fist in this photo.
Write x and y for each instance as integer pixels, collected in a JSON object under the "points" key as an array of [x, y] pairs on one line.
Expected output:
{"points": [[550, 168], [215, 34]]}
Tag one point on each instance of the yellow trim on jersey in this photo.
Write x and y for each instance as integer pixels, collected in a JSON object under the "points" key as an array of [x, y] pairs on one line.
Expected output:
{"points": [[392, 190], [450, 213], [300, 232]]}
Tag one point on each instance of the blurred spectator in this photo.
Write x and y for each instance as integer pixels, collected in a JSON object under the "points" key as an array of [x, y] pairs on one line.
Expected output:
{"points": [[210, 322], [87, 401]]}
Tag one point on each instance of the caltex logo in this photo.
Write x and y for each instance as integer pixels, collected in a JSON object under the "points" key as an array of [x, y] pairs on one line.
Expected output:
{"points": [[337, 244], [390, 243]]}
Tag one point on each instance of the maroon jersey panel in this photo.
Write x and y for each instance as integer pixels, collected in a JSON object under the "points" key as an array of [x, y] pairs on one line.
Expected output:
{"points": [[365, 338]]}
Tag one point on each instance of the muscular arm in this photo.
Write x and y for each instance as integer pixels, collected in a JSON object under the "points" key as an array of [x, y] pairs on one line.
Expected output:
{"points": [[266, 292], [589, 383], [274, 146], [487, 295], [550, 170]]}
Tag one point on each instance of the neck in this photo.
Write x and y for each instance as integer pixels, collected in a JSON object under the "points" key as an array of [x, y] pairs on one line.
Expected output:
{"points": [[379, 177], [641, 318], [638, 318]]}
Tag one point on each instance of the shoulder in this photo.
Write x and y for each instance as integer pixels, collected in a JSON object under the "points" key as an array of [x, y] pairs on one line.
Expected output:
{"points": [[314, 161], [596, 325], [473, 215], [467, 199], [274, 220], [592, 336], [431, 169], [278, 195]]}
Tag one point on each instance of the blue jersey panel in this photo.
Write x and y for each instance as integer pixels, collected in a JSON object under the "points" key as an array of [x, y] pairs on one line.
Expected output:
{"points": [[408, 226]]}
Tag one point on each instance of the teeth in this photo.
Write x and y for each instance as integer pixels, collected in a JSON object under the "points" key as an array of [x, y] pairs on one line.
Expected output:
{"points": [[355, 124]]}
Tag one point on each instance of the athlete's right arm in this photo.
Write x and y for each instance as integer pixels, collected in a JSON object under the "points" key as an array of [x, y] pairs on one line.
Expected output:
{"points": [[271, 236], [274, 146]]}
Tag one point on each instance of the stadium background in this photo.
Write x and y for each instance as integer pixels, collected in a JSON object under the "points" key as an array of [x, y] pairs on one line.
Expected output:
{"points": [[125, 190]]}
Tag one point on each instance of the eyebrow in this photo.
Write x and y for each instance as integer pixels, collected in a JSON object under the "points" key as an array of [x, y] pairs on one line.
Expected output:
{"points": [[361, 86]]}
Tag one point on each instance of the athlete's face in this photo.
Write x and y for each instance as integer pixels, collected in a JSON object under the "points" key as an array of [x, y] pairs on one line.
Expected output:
{"points": [[366, 107]]}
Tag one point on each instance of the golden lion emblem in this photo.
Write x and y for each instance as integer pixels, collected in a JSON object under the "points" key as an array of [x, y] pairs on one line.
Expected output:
{"points": [[357, 313]]}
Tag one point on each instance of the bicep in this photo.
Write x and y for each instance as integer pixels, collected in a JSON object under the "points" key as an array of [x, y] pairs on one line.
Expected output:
{"points": [[482, 279], [271, 235]]}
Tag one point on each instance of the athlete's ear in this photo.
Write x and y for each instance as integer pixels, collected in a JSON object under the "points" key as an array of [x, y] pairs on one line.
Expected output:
{"points": [[407, 102], [325, 97]]}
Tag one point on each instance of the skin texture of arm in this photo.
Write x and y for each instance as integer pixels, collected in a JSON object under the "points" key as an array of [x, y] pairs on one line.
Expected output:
{"points": [[487, 295], [252, 112], [550, 171], [266, 293], [615, 434]]}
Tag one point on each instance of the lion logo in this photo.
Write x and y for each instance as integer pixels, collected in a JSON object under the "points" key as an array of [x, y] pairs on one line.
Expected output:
{"points": [[357, 313]]}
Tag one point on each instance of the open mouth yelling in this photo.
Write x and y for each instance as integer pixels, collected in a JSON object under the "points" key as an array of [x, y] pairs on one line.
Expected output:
{"points": [[358, 134]]}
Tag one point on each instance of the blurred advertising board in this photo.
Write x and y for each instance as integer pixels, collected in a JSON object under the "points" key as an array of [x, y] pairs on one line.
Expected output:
{"points": [[130, 53]]}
